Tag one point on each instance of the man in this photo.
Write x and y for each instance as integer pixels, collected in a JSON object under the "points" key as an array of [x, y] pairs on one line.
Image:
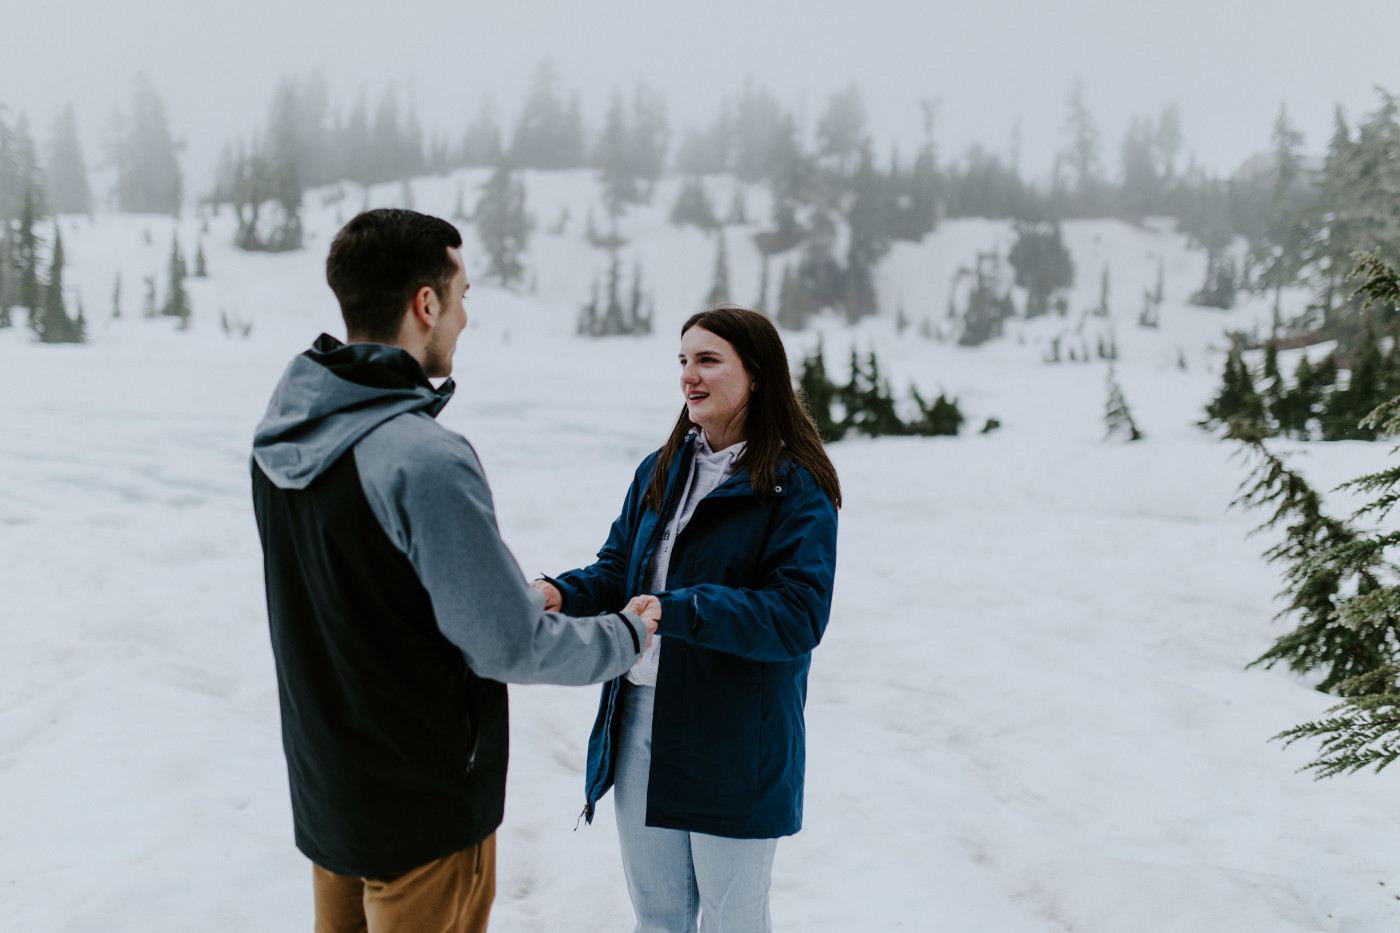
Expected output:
{"points": [[397, 613]]}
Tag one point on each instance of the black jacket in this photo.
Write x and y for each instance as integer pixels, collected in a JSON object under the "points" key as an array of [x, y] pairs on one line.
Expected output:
{"points": [[397, 614]]}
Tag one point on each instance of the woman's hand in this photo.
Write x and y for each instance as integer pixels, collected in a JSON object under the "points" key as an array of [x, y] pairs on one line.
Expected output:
{"points": [[553, 599], [649, 608]]}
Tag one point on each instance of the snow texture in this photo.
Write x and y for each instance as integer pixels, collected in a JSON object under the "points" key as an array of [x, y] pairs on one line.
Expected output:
{"points": [[1030, 712]]}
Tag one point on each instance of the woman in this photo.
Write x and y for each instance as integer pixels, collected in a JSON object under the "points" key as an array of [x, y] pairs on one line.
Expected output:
{"points": [[730, 531]]}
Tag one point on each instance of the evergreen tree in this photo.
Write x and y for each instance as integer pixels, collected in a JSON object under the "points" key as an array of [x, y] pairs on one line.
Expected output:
{"points": [[503, 224], [1357, 208], [1237, 400], [481, 146], [1322, 558], [841, 132], [201, 267], [1360, 732], [793, 302], [1142, 187], [177, 301], [719, 286], [549, 135], [868, 218], [1151, 315], [762, 304], [1042, 264], [66, 173], [693, 206], [941, 419], [607, 316], [616, 167], [117, 296], [26, 255], [738, 210], [6, 276], [148, 173], [638, 317], [52, 324], [649, 138], [817, 393], [1345, 409], [986, 309], [870, 407], [1281, 248], [1102, 309], [1082, 155], [21, 176], [1117, 417]]}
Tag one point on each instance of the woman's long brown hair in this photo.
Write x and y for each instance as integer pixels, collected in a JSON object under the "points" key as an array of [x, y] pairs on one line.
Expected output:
{"points": [[775, 426]]}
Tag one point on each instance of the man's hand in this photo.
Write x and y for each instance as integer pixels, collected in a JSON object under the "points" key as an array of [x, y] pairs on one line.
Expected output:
{"points": [[553, 599], [649, 608]]}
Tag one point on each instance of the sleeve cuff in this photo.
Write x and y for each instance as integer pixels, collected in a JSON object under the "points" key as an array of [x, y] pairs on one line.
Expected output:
{"points": [[563, 592], [637, 628], [677, 615]]}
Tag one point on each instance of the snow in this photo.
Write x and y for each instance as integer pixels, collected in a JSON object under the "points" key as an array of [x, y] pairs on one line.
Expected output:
{"points": [[1031, 711]]}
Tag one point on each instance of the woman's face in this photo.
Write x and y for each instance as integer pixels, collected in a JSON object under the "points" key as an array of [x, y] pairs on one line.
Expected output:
{"points": [[715, 386]]}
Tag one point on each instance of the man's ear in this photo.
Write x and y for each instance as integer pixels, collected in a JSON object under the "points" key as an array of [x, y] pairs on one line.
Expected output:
{"points": [[424, 308]]}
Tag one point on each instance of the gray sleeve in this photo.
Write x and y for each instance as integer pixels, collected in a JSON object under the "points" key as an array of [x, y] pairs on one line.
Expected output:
{"points": [[427, 489]]}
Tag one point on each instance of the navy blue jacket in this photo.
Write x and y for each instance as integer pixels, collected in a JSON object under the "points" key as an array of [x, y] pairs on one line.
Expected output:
{"points": [[748, 594]]}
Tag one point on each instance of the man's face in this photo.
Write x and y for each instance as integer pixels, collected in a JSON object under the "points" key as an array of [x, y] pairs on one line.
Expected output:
{"points": [[452, 319]]}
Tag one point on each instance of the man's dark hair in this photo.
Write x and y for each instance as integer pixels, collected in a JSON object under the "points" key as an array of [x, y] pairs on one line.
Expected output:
{"points": [[379, 261]]}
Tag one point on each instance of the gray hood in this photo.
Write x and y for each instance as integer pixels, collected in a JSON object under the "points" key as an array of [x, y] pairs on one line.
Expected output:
{"points": [[331, 396]]}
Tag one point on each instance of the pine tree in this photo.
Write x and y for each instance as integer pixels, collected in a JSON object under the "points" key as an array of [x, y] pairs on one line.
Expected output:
{"points": [[1345, 409], [27, 255], [481, 146], [201, 268], [616, 169], [761, 306], [638, 319], [1360, 732], [148, 173], [66, 174], [6, 276], [941, 419], [1342, 582], [738, 210], [817, 393], [1237, 399], [693, 206], [588, 314], [1274, 389], [1323, 558], [52, 324], [1102, 309], [719, 286], [1042, 264], [177, 302], [869, 404], [504, 225], [117, 296], [793, 302], [1117, 417]]}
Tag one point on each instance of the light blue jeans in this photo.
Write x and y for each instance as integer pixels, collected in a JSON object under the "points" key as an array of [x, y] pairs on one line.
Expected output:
{"points": [[671, 874]]}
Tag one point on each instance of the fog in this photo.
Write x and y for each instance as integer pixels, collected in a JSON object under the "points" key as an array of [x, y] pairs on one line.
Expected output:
{"points": [[997, 69]]}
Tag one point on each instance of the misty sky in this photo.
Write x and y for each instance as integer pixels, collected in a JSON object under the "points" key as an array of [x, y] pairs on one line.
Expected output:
{"points": [[991, 64]]}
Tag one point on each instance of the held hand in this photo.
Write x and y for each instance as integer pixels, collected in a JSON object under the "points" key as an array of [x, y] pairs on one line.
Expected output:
{"points": [[553, 599], [649, 608]]}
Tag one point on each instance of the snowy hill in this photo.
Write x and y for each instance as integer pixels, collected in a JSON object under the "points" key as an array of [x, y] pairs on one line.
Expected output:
{"points": [[1030, 712]]}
